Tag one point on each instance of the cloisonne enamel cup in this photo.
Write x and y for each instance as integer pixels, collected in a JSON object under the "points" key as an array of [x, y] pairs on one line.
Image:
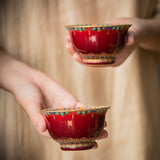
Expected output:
{"points": [[75, 128], [98, 44]]}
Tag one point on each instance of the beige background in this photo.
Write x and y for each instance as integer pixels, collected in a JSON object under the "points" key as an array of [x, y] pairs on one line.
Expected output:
{"points": [[33, 32]]}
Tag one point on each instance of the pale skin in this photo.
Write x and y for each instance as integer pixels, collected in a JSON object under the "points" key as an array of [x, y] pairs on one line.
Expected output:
{"points": [[34, 90]]}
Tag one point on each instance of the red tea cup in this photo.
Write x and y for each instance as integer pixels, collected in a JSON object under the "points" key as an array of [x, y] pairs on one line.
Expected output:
{"points": [[98, 44], [75, 128]]}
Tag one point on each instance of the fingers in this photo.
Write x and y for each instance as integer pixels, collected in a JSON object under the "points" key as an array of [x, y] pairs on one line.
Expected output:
{"points": [[54, 94], [137, 30], [78, 58], [38, 121], [40, 125], [130, 38], [68, 38], [95, 145], [69, 47], [124, 54], [34, 111], [45, 134], [103, 135], [31, 99], [75, 55], [79, 104], [105, 124]]}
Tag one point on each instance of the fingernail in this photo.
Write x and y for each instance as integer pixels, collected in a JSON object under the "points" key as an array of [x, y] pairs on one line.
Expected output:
{"points": [[79, 104], [95, 146], [130, 38], [105, 136], [105, 124], [75, 56], [67, 36], [67, 46]]}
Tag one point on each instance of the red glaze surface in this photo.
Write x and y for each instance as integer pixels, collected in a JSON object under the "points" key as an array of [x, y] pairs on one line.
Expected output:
{"points": [[75, 128], [75, 125], [93, 41]]}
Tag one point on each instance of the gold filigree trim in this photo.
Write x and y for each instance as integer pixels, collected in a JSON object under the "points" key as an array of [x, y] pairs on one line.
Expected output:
{"points": [[74, 146], [96, 25], [107, 60], [75, 140]]}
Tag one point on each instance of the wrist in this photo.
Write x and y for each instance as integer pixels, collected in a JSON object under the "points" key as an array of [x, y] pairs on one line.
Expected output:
{"points": [[151, 36], [12, 72], [142, 30]]}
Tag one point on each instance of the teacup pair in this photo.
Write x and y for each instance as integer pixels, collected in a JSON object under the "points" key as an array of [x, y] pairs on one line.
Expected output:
{"points": [[77, 128]]}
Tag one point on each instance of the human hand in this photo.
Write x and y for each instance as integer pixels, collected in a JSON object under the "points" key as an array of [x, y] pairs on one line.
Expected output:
{"points": [[35, 91], [136, 34]]}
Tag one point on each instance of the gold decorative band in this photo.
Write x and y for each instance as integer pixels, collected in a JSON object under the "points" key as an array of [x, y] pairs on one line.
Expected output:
{"points": [[96, 25], [107, 60], [76, 140], [74, 146]]}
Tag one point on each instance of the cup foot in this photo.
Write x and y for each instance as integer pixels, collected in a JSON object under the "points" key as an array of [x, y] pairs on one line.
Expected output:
{"points": [[99, 62], [75, 147]]}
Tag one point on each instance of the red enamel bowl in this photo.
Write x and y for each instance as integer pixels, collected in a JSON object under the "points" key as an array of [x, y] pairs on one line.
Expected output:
{"points": [[98, 44], [75, 128]]}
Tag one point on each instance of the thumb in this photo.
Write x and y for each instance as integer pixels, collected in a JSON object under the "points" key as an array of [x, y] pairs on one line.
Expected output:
{"points": [[55, 95], [34, 112], [39, 122], [130, 38]]}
